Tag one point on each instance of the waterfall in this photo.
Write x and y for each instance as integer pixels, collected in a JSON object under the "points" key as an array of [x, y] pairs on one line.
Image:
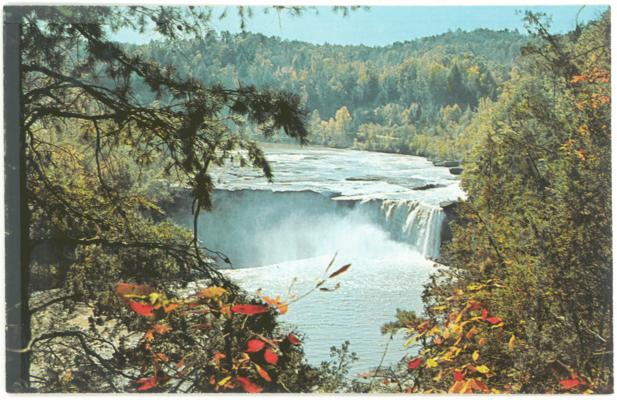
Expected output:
{"points": [[263, 227], [411, 221]]}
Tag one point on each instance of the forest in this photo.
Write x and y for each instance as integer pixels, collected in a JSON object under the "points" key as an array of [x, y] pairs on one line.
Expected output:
{"points": [[414, 97], [116, 297]]}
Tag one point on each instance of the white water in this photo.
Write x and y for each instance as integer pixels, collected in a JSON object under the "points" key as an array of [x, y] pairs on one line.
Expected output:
{"points": [[365, 206]]}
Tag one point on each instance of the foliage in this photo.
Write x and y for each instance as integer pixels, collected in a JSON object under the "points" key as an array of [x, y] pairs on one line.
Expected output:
{"points": [[101, 162], [206, 343], [412, 97], [525, 305]]}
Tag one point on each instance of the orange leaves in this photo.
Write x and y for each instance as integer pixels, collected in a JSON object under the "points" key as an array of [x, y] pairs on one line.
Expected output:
{"points": [[415, 363], [271, 357], [170, 307], [468, 386], [248, 309], [145, 310], [578, 79], [161, 329], [263, 373], [254, 345], [570, 383], [277, 302], [211, 292], [596, 75], [248, 386], [471, 333], [126, 290]]}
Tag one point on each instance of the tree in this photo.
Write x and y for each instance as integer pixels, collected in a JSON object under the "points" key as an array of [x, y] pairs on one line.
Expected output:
{"points": [[526, 305], [97, 154]]}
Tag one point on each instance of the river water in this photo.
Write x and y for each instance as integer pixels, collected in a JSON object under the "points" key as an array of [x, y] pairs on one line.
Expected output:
{"points": [[380, 212]]}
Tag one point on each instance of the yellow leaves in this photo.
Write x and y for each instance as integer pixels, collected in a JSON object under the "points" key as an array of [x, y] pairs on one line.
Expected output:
{"points": [[583, 130], [432, 363], [483, 369], [154, 297], [512, 343], [473, 70], [475, 287], [475, 356], [439, 308], [223, 381], [212, 292], [67, 376], [412, 340]]}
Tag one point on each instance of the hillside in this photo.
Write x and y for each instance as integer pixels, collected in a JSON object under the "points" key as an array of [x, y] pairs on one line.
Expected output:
{"points": [[400, 97]]}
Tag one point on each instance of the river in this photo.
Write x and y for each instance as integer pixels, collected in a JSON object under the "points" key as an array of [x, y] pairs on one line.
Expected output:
{"points": [[383, 213]]}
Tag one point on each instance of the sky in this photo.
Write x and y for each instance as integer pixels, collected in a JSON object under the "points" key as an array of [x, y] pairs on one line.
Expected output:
{"points": [[380, 25]]}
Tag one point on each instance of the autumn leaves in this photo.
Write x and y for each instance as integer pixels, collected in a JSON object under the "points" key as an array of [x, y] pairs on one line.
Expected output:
{"points": [[240, 355]]}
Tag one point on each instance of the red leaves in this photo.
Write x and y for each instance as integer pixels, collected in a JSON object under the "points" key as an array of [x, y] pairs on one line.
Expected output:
{"points": [[146, 383], [248, 386], [458, 376], [570, 383], [254, 345], [248, 309], [270, 357], [293, 339], [490, 320], [145, 310], [415, 363]]}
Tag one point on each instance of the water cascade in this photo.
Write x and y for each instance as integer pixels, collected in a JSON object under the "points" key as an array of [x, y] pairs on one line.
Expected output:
{"points": [[413, 222], [264, 227]]}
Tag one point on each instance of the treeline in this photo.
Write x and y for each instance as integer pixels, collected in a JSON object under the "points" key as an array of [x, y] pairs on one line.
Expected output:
{"points": [[413, 97]]}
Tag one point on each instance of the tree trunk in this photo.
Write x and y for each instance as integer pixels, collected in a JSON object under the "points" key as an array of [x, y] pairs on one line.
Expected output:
{"points": [[16, 208]]}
